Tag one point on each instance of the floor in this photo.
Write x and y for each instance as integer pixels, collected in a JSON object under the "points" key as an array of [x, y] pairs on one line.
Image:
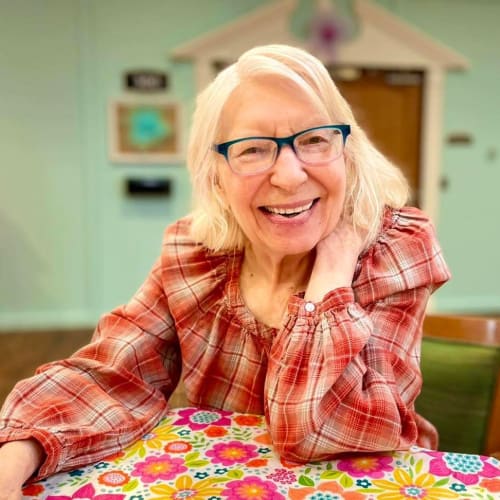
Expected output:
{"points": [[23, 352]]}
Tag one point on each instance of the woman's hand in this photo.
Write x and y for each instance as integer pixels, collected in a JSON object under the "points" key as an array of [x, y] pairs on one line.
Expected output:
{"points": [[18, 461], [335, 263]]}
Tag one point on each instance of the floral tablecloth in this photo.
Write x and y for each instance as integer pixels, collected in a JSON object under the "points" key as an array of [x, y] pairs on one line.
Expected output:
{"points": [[220, 455]]}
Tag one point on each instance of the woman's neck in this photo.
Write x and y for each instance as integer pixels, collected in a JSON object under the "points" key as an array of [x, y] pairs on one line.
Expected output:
{"points": [[278, 272], [267, 284]]}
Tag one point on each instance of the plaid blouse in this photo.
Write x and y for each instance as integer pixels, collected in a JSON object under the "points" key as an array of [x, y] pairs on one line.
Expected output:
{"points": [[340, 375]]}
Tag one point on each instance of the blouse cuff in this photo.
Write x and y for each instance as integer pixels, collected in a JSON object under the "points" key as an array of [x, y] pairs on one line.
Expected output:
{"points": [[338, 298]]}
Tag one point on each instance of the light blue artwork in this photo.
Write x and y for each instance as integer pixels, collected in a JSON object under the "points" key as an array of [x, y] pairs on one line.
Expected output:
{"points": [[147, 127]]}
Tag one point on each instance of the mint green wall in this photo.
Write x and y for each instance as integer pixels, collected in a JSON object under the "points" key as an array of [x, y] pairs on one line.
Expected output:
{"points": [[73, 246], [120, 35], [43, 255]]}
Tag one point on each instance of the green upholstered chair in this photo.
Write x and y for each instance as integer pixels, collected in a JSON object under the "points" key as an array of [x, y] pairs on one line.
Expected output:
{"points": [[461, 388]]}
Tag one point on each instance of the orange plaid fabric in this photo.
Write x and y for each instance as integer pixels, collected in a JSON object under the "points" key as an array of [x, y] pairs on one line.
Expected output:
{"points": [[340, 376]]}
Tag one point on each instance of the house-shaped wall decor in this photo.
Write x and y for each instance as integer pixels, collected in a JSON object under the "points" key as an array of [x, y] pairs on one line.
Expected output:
{"points": [[383, 41]]}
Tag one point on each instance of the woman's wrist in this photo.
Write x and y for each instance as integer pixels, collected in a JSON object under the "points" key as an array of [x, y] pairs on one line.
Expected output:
{"points": [[329, 275], [316, 291], [19, 460]]}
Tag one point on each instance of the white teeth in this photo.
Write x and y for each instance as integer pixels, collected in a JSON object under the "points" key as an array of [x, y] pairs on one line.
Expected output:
{"points": [[289, 211]]}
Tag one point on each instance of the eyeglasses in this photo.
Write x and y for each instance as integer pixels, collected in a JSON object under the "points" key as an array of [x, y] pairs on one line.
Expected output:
{"points": [[314, 146]]}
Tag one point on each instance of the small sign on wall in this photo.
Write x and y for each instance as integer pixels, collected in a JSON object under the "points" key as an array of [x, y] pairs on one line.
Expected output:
{"points": [[145, 129], [145, 81]]}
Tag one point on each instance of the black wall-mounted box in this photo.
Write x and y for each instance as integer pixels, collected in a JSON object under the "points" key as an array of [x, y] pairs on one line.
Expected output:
{"points": [[148, 187]]}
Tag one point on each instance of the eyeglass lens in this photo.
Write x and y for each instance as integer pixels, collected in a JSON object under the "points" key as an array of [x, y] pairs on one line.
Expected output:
{"points": [[313, 147]]}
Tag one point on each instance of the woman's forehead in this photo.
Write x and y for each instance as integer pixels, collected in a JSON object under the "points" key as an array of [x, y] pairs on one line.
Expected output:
{"points": [[260, 103]]}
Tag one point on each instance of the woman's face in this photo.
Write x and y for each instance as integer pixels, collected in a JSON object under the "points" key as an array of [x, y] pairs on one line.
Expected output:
{"points": [[275, 108]]}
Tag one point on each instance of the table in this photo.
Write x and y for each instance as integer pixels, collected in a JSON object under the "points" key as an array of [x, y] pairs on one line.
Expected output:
{"points": [[221, 455]]}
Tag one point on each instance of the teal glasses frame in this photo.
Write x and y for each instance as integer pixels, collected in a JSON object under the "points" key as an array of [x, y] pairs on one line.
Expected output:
{"points": [[223, 148]]}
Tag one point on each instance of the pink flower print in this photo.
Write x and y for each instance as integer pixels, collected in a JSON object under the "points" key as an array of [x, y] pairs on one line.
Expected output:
{"points": [[114, 478], [159, 467], [373, 466], [251, 488], [86, 492], [199, 419], [283, 476], [231, 453], [468, 469]]}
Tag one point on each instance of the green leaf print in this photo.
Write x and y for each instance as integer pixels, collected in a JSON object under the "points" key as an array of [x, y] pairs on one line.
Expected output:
{"points": [[235, 474], [131, 485], [346, 481], [418, 466], [330, 474], [442, 482], [242, 434], [306, 481], [198, 441]]}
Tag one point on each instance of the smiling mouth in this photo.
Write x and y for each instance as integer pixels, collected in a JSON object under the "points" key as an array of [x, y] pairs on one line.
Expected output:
{"points": [[290, 212]]}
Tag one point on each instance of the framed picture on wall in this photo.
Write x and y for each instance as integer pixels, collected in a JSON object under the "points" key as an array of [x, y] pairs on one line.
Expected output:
{"points": [[145, 129]]}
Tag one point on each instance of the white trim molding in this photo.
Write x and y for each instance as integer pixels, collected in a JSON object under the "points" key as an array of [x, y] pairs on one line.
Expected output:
{"points": [[45, 320]]}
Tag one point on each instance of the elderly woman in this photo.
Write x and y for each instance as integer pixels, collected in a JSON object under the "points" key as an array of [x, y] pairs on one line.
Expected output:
{"points": [[296, 289]]}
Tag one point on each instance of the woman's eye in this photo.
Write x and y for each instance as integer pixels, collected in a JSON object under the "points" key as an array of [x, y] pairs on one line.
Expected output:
{"points": [[316, 139], [251, 151], [312, 140]]}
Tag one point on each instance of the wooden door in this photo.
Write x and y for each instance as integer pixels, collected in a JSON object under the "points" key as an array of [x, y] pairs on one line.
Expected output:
{"points": [[388, 106]]}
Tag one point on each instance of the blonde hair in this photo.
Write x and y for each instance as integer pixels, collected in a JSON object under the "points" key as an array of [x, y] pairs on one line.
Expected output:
{"points": [[373, 182]]}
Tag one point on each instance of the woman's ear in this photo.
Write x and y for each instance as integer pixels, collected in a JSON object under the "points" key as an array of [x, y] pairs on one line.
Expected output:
{"points": [[218, 185], [220, 192]]}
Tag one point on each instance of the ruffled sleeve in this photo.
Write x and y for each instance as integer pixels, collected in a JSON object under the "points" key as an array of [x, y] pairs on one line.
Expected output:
{"points": [[406, 255]]}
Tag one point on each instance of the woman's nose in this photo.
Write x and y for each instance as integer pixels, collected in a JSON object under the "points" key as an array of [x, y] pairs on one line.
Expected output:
{"points": [[288, 171]]}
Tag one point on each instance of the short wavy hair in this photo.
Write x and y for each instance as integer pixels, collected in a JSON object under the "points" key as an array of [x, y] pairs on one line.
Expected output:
{"points": [[373, 182]]}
